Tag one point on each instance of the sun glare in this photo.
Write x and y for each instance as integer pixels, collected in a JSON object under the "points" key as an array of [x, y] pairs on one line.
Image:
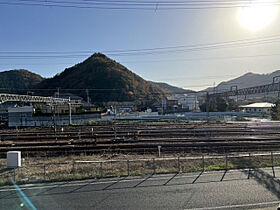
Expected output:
{"points": [[258, 14]]}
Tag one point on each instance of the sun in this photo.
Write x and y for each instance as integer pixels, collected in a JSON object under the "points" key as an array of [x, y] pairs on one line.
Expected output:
{"points": [[258, 14]]}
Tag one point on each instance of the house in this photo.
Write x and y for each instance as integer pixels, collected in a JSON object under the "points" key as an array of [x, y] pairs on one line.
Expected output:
{"points": [[88, 107], [24, 116], [262, 108], [59, 108], [188, 102], [169, 103], [18, 116], [73, 98]]}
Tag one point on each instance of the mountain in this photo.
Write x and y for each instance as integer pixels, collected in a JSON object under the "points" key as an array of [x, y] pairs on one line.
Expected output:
{"points": [[247, 80], [18, 81], [105, 79], [172, 89]]}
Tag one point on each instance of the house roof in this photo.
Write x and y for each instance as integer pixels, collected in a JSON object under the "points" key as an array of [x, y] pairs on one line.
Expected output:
{"points": [[169, 98], [258, 105], [70, 95]]}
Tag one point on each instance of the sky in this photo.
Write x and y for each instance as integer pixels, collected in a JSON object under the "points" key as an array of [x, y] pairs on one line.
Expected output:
{"points": [[53, 29]]}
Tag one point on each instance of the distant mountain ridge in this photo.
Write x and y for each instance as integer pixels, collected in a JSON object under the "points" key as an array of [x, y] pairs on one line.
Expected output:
{"points": [[173, 89], [247, 80], [18, 81]]}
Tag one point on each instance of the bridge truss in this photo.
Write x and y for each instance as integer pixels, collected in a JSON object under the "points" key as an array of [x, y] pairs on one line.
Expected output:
{"points": [[27, 98], [274, 87]]}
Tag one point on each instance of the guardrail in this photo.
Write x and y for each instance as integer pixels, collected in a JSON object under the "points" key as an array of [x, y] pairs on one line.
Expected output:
{"points": [[120, 168]]}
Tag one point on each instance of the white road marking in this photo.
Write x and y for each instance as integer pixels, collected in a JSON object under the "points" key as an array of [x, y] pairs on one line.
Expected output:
{"points": [[238, 206]]}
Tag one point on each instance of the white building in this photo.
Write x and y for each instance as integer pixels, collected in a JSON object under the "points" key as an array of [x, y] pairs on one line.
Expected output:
{"points": [[188, 101], [263, 108], [21, 109]]}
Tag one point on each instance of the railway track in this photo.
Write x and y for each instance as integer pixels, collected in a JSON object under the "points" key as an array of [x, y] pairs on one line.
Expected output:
{"points": [[172, 137]]}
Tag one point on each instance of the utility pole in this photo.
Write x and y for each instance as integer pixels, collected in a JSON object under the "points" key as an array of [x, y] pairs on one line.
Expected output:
{"points": [[54, 119], [115, 129], [195, 105], [88, 100], [162, 106], [207, 103], [207, 106], [57, 92], [70, 112], [273, 82], [236, 91]]}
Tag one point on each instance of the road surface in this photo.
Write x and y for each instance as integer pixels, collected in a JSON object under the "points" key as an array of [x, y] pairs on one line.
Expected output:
{"points": [[201, 190]]}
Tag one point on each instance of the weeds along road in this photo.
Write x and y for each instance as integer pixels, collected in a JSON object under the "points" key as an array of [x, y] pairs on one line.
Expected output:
{"points": [[202, 190]]}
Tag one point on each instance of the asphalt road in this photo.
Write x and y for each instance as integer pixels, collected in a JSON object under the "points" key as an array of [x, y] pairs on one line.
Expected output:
{"points": [[207, 190]]}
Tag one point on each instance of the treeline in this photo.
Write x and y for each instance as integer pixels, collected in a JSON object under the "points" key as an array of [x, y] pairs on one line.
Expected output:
{"points": [[219, 105]]}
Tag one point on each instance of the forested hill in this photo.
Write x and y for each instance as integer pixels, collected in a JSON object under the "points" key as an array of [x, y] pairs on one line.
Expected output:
{"points": [[105, 79], [18, 81]]}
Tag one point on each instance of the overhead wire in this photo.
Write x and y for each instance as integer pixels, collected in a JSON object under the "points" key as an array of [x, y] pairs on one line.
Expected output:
{"points": [[141, 52], [214, 44], [191, 5], [140, 5]]}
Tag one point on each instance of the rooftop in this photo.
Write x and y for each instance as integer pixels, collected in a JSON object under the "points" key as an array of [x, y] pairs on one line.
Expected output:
{"points": [[258, 105], [69, 95], [170, 98]]}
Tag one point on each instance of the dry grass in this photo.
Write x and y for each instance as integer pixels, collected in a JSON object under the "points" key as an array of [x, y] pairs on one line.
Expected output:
{"points": [[66, 168]]}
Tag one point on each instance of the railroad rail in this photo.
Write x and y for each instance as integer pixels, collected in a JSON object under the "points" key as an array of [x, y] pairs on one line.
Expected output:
{"points": [[141, 138]]}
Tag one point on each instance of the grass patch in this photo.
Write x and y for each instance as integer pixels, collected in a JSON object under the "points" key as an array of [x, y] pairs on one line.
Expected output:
{"points": [[63, 169]]}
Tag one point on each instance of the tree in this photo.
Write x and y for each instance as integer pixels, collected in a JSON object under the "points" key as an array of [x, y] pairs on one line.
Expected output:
{"points": [[218, 105], [221, 105], [232, 106], [275, 111]]}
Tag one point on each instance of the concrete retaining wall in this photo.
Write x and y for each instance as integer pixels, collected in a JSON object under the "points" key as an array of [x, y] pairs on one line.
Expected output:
{"points": [[21, 120]]}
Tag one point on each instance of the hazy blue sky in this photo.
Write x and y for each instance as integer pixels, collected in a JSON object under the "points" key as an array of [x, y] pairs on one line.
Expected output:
{"points": [[69, 29]]}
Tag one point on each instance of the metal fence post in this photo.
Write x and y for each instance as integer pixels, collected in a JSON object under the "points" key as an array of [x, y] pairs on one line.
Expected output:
{"points": [[203, 164], [154, 166], [272, 164], [249, 166], [159, 147], [15, 175], [101, 169], [73, 168], [128, 168], [179, 166], [226, 161], [79, 134], [44, 172]]}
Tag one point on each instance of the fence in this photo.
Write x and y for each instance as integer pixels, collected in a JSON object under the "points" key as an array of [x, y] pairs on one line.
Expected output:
{"points": [[120, 168]]}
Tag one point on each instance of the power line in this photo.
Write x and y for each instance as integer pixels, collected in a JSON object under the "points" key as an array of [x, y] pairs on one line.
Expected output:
{"points": [[152, 3], [34, 64], [152, 61], [207, 58], [136, 61], [140, 5], [145, 51], [238, 41], [61, 89]]}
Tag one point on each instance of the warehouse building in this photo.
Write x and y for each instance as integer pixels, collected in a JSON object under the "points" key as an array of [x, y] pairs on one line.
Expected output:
{"points": [[262, 108]]}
